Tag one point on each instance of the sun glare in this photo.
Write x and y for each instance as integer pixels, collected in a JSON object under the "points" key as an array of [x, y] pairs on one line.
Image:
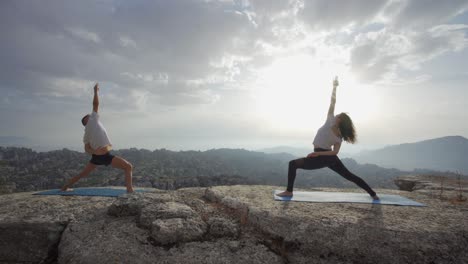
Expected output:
{"points": [[294, 93]]}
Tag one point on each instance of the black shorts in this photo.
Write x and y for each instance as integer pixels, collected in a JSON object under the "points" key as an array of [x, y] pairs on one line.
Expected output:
{"points": [[105, 159]]}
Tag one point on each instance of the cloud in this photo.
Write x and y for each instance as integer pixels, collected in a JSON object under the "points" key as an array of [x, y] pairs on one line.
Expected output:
{"points": [[422, 14], [132, 44], [84, 34], [336, 14], [411, 36], [128, 44], [377, 55], [271, 7]]}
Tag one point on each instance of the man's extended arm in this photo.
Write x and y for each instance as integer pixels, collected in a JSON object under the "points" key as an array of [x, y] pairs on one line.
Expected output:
{"points": [[96, 98], [89, 149]]}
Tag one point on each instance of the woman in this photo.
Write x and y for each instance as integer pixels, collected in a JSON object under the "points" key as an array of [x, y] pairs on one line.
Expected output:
{"points": [[327, 144]]}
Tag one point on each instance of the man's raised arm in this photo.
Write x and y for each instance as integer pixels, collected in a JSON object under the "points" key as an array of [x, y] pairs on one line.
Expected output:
{"points": [[96, 98]]}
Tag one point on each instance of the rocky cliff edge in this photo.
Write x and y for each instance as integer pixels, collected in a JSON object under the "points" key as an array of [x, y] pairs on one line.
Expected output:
{"points": [[228, 224]]}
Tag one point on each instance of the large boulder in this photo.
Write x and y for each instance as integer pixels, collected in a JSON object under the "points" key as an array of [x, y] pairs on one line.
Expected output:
{"points": [[434, 185], [106, 240], [29, 242], [222, 227], [411, 183], [177, 230], [153, 211], [132, 204], [222, 251], [346, 232], [129, 205], [31, 226]]}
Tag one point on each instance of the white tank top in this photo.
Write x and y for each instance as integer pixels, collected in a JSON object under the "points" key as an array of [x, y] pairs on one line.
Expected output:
{"points": [[325, 137], [95, 133]]}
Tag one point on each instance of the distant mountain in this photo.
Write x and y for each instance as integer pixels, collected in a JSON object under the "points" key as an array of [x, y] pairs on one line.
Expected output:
{"points": [[442, 154], [12, 141], [298, 152]]}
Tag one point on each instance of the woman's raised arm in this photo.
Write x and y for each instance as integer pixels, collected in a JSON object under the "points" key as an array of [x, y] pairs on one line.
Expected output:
{"points": [[331, 110]]}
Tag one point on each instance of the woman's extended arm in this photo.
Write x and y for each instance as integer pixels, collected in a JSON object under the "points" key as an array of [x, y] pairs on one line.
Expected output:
{"points": [[331, 110]]}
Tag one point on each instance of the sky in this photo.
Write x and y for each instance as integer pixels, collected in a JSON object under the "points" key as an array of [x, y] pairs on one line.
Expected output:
{"points": [[202, 74]]}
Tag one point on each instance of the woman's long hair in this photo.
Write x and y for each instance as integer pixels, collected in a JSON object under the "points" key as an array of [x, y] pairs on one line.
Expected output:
{"points": [[347, 130]]}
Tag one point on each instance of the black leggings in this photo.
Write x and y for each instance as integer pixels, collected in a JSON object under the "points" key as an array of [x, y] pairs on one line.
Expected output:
{"points": [[332, 162]]}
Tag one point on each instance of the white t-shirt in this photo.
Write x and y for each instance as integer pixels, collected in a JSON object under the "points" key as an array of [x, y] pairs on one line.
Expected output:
{"points": [[325, 137], [95, 133]]}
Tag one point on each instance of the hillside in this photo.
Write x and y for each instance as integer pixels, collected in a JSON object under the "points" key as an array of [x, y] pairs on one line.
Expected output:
{"points": [[228, 224], [443, 154], [23, 169]]}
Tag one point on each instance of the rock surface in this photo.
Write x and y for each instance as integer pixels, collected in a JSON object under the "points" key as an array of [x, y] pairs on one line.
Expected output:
{"points": [[228, 224]]}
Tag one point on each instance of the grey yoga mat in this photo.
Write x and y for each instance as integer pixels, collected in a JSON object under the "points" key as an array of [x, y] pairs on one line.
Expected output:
{"points": [[342, 197]]}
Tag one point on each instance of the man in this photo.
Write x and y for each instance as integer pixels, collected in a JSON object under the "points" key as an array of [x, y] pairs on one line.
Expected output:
{"points": [[97, 143]]}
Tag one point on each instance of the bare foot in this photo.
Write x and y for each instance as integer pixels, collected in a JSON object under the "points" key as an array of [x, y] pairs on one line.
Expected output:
{"points": [[130, 190], [375, 198], [285, 194], [66, 189]]}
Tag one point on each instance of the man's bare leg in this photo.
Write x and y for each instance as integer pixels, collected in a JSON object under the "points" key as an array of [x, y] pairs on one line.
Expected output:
{"points": [[118, 162], [86, 171]]}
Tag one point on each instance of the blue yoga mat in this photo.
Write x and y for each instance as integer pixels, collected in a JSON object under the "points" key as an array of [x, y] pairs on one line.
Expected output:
{"points": [[107, 192], [339, 197]]}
